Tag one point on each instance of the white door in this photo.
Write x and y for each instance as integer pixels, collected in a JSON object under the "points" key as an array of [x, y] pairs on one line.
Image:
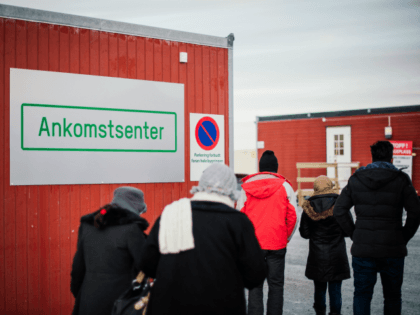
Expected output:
{"points": [[339, 150]]}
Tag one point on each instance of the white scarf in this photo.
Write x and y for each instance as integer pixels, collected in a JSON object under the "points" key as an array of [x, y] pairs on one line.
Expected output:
{"points": [[175, 229]]}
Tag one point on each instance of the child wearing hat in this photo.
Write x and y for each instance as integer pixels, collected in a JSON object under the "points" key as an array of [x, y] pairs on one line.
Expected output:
{"points": [[327, 263]]}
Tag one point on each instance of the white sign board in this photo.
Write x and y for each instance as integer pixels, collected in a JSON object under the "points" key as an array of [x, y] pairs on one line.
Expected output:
{"points": [[81, 129], [403, 156], [207, 142]]}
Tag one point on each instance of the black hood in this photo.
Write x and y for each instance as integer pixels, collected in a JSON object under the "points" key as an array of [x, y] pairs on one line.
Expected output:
{"points": [[322, 203], [376, 178], [118, 216]]}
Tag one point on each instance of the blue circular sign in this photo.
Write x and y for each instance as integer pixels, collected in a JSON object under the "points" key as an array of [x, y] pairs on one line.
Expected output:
{"points": [[207, 133]]}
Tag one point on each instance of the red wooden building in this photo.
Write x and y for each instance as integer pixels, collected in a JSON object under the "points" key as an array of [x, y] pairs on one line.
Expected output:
{"points": [[342, 136], [39, 224]]}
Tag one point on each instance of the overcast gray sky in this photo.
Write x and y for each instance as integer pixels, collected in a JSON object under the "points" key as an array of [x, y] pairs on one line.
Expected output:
{"points": [[290, 57]]}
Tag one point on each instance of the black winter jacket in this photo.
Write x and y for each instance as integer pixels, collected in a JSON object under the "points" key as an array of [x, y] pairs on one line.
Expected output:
{"points": [[104, 264], [379, 196], [327, 259], [210, 278]]}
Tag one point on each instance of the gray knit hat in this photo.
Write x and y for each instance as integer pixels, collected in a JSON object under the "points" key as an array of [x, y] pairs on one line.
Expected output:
{"points": [[220, 179], [129, 198]]}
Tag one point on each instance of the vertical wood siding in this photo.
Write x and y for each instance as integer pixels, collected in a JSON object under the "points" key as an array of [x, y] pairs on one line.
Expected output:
{"points": [[40, 223], [304, 140]]}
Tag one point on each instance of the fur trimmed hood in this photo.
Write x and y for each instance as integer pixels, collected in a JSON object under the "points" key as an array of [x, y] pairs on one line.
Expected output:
{"points": [[320, 206], [117, 216]]}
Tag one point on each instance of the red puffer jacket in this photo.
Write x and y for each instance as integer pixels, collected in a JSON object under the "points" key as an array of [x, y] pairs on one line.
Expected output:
{"points": [[271, 206]]}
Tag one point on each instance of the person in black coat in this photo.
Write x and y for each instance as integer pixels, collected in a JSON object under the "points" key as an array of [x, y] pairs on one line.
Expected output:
{"points": [[379, 193], [108, 252], [202, 252], [328, 263]]}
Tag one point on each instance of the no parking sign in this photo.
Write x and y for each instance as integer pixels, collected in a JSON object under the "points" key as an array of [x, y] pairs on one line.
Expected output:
{"points": [[207, 133], [207, 142]]}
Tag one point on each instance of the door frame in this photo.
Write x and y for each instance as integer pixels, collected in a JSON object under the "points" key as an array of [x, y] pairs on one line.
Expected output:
{"points": [[326, 148]]}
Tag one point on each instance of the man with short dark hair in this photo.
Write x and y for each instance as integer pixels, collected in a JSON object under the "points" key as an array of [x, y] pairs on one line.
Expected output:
{"points": [[379, 192], [270, 203]]}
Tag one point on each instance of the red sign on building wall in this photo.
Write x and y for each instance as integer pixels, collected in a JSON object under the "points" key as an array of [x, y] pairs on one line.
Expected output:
{"points": [[403, 157], [402, 147]]}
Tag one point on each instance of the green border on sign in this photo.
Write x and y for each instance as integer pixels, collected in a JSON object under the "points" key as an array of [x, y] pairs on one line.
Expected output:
{"points": [[97, 108]]}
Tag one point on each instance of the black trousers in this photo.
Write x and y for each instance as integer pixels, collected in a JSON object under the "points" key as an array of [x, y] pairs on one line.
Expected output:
{"points": [[334, 290], [275, 260]]}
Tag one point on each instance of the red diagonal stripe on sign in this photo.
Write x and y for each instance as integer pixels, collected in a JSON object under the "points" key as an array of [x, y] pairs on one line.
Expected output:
{"points": [[207, 133]]}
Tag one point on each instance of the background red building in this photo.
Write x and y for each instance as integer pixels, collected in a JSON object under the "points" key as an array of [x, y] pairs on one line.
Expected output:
{"points": [[303, 137]]}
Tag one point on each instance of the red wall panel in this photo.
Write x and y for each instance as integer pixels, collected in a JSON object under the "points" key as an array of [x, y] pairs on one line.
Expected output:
{"points": [[54, 228], [182, 78], [40, 223], [2, 169], [9, 191], [74, 191], [304, 140], [21, 195], [64, 193]]}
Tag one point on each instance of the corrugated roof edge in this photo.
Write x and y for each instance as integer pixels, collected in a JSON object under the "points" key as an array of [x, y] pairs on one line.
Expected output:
{"points": [[21, 13], [357, 112]]}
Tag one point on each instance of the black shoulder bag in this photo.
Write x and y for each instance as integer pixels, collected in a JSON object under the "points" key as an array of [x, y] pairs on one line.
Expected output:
{"points": [[134, 300]]}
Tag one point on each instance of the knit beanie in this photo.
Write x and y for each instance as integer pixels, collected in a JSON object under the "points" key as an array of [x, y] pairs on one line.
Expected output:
{"points": [[129, 198], [220, 179], [268, 162]]}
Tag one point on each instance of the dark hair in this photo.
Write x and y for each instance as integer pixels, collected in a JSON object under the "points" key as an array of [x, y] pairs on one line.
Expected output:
{"points": [[100, 220], [382, 151]]}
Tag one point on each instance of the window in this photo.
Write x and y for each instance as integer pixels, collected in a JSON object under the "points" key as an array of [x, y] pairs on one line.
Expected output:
{"points": [[338, 145]]}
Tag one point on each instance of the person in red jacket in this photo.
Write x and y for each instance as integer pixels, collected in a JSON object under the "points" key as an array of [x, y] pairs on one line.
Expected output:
{"points": [[269, 202]]}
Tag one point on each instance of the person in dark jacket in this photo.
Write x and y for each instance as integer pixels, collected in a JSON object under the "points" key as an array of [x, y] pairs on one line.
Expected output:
{"points": [[328, 264], [379, 192], [202, 252], [108, 252]]}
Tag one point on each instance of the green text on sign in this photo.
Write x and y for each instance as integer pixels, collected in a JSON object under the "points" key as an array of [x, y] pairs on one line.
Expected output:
{"points": [[68, 128]]}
